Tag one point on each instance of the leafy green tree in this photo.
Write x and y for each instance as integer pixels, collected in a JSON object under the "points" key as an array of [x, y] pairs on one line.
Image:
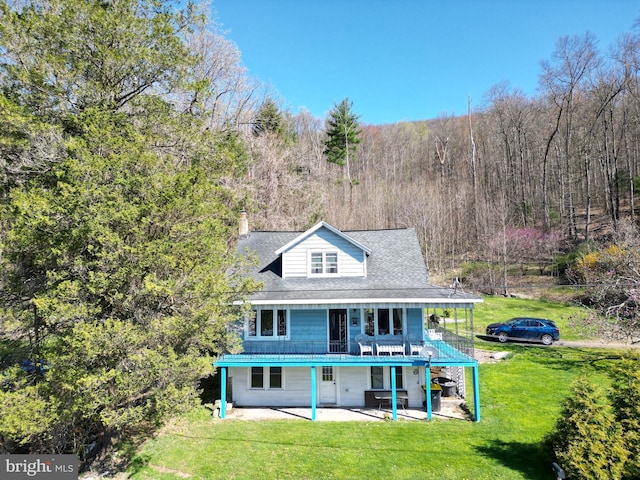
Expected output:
{"points": [[343, 132], [28, 146], [70, 55], [117, 265], [587, 440], [115, 272]]}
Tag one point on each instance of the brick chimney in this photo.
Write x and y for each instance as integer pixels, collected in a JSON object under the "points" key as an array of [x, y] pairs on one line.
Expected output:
{"points": [[243, 225]]}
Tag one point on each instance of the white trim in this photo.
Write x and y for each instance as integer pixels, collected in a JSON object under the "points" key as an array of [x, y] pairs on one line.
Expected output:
{"points": [[266, 379], [376, 319], [336, 380], [418, 302], [328, 327], [268, 338], [386, 378], [324, 273], [369, 383], [317, 227]]}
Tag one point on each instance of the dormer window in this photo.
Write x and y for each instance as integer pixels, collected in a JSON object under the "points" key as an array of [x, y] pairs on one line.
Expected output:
{"points": [[323, 263]]}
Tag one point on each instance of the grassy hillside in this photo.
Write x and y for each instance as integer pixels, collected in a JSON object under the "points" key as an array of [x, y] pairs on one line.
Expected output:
{"points": [[498, 309]]}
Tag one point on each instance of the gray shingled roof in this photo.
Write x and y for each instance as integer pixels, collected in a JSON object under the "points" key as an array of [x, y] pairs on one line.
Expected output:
{"points": [[395, 270]]}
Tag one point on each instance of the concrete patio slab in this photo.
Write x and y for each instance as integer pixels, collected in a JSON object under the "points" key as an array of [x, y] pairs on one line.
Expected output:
{"points": [[451, 409]]}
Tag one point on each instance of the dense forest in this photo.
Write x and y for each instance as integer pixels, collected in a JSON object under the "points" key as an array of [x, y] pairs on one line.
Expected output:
{"points": [[132, 137], [565, 163]]}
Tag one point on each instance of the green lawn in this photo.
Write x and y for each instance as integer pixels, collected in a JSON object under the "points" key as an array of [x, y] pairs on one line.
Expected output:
{"points": [[520, 400], [499, 309]]}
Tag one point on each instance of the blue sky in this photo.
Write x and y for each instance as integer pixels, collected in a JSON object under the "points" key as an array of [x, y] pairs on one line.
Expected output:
{"points": [[407, 59]]}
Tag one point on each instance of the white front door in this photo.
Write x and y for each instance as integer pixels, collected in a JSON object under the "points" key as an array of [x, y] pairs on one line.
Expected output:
{"points": [[328, 386]]}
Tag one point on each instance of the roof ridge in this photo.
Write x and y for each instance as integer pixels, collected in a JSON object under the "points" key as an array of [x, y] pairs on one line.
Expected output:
{"points": [[343, 231]]}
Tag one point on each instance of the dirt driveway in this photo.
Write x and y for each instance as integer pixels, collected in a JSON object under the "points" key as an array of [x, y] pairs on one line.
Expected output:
{"points": [[596, 344], [490, 356]]}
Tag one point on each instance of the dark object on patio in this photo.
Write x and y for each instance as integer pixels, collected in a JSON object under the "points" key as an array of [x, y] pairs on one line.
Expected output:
{"points": [[448, 386], [436, 401], [384, 397], [370, 400]]}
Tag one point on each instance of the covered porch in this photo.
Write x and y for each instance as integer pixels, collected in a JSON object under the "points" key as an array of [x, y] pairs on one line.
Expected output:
{"points": [[434, 353]]}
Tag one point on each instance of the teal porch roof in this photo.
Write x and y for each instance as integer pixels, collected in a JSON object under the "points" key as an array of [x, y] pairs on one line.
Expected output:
{"points": [[443, 355]]}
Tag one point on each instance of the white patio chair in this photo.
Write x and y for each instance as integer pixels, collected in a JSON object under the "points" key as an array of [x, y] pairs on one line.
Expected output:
{"points": [[415, 346], [433, 335], [391, 349], [366, 346]]}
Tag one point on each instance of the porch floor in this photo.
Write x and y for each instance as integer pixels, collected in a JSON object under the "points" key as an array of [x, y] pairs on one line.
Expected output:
{"points": [[445, 355], [451, 409]]}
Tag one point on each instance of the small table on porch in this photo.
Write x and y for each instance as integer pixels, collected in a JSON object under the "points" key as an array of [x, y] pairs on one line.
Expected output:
{"points": [[386, 397]]}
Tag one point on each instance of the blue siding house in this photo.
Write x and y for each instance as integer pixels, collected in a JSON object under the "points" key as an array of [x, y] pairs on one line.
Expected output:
{"points": [[345, 319]]}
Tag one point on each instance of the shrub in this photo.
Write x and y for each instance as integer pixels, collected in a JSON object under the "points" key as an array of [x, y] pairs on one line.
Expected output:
{"points": [[625, 400], [587, 440]]}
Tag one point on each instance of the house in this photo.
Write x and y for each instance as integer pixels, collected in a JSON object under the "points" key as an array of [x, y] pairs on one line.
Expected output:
{"points": [[346, 319]]}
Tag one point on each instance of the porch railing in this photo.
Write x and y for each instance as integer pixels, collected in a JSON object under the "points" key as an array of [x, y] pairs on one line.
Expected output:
{"points": [[291, 347]]}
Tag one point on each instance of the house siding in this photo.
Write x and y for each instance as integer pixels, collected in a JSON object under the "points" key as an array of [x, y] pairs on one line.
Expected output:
{"points": [[350, 258], [309, 325], [414, 321], [352, 384], [296, 391]]}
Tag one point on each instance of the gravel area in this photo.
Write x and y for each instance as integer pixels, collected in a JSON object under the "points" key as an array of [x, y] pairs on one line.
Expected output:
{"points": [[489, 356]]}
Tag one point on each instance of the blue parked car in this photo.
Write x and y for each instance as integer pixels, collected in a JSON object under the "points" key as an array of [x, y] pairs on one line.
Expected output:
{"points": [[525, 329]]}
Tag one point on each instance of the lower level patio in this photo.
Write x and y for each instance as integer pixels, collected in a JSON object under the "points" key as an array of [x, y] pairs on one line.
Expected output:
{"points": [[451, 409], [435, 353]]}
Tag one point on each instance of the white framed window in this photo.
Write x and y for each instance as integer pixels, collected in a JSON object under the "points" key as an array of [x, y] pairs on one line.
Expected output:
{"points": [[266, 378], [377, 378], [317, 265], [399, 379], [323, 263], [257, 377], [381, 377], [275, 377], [331, 262], [383, 321], [268, 323]]}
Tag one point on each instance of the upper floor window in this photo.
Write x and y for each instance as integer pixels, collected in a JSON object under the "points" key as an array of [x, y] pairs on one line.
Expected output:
{"points": [[383, 321], [268, 323], [322, 263]]}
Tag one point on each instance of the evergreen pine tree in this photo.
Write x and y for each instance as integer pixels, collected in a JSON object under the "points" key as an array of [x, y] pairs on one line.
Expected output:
{"points": [[343, 132], [269, 119], [625, 399], [115, 230], [587, 440]]}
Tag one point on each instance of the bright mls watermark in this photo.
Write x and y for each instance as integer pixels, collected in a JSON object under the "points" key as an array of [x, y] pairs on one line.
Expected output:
{"points": [[39, 467]]}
